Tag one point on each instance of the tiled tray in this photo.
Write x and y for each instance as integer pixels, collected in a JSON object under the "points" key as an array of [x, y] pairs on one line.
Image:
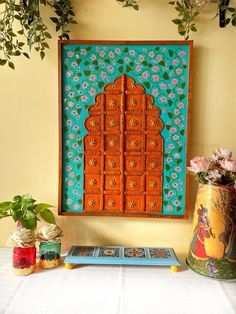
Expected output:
{"points": [[119, 255]]}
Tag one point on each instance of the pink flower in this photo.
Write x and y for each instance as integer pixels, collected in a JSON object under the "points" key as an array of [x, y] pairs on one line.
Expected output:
{"points": [[145, 74], [199, 164], [228, 164], [155, 68], [110, 68], [92, 92], [138, 68], [172, 130], [174, 81], [70, 54], [84, 85], [155, 77], [221, 153]]}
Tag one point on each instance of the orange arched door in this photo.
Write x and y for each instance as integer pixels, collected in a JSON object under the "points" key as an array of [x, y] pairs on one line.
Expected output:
{"points": [[123, 152]]}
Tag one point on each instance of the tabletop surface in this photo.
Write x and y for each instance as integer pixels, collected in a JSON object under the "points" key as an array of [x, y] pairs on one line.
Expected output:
{"points": [[100, 289]]}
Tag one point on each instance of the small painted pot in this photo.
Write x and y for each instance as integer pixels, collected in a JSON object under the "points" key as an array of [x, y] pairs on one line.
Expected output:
{"points": [[23, 261], [49, 254], [212, 250]]}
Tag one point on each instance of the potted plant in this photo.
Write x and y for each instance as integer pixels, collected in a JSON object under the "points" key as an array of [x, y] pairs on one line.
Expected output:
{"points": [[213, 245], [25, 212]]}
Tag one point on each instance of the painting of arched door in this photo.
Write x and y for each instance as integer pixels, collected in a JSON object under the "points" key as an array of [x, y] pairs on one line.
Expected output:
{"points": [[123, 152]]}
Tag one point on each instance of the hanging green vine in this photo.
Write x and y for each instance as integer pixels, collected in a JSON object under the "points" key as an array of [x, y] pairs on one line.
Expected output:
{"points": [[21, 25], [189, 9]]}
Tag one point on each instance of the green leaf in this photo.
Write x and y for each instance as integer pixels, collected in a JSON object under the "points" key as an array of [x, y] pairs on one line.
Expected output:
{"points": [[120, 61], [26, 55], [147, 84], [180, 197], [107, 61], [87, 72], [11, 65], [166, 191], [180, 149], [29, 223], [47, 35], [167, 167], [166, 76], [170, 53], [54, 19], [126, 49], [48, 216], [170, 102], [78, 178], [41, 206], [178, 208], [176, 21], [162, 63], [100, 84], [170, 114], [179, 161], [17, 214], [167, 179], [120, 69], [5, 205], [3, 62], [78, 166], [168, 127], [182, 132], [42, 55], [80, 201], [181, 97], [29, 220], [128, 68]]}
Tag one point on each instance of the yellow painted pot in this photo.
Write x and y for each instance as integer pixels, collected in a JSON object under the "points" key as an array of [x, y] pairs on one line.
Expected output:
{"points": [[213, 245]]}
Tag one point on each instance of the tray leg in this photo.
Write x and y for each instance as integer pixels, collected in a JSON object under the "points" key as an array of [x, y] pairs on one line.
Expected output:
{"points": [[175, 268], [69, 266]]}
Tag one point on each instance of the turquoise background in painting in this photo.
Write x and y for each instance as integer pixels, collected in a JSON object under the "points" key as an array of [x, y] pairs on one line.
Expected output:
{"points": [[163, 70]]}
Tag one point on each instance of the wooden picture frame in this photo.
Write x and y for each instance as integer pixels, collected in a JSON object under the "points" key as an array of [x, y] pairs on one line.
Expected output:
{"points": [[124, 108]]}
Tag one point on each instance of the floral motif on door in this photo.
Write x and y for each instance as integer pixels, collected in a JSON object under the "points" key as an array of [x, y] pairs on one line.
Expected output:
{"points": [[123, 151]]}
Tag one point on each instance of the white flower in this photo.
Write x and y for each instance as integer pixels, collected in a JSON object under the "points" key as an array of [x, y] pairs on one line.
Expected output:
{"points": [[221, 153], [199, 164], [228, 164], [213, 176]]}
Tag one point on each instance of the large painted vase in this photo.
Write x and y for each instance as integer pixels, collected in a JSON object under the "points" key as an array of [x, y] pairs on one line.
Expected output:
{"points": [[213, 245]]}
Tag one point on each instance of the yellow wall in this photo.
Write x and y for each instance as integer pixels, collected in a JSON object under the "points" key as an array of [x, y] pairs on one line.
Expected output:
{"points": [[29, 117]]}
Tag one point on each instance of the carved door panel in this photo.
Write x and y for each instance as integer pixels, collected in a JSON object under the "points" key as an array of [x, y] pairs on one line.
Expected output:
{"points": [[123, 152]]}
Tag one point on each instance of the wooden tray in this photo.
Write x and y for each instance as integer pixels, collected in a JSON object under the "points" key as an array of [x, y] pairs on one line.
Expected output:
{"points": [[119, 255]]}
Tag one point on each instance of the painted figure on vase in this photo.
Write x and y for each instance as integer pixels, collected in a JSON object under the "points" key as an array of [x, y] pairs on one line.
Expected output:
{"points": [[201, 232], [211, 267], [230, 251]]}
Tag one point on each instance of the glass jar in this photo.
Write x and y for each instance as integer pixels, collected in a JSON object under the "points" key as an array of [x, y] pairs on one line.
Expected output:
{"points": [[24, 260], [49, 254]]}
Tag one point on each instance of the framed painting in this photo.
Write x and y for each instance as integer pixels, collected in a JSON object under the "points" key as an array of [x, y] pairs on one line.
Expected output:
{"points": [[123, 118]]}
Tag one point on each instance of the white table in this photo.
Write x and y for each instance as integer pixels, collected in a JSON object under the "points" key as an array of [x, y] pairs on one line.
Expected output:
{"points": [[112, 290]]}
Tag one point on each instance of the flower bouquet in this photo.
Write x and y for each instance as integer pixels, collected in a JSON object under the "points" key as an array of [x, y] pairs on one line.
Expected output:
{"points": [[219, 169], [213, 245]]}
